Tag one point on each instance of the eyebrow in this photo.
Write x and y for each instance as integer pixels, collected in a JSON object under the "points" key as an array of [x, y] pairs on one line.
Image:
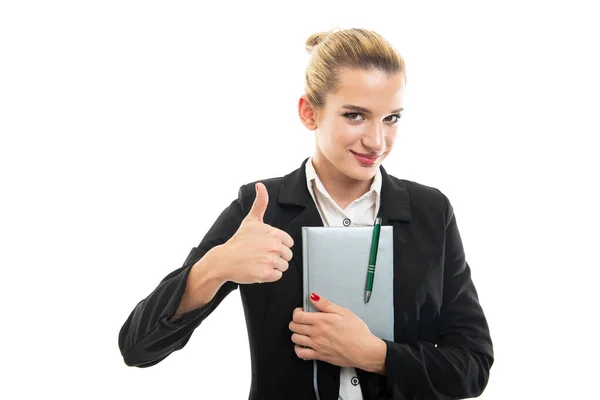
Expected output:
{"points": [[366, 110]]}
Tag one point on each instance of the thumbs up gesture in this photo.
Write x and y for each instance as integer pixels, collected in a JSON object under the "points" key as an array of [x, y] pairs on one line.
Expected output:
{"points": [[257, 252]]}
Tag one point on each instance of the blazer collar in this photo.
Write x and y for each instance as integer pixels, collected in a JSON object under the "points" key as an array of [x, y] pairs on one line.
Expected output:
{"points": [[394, 201]]}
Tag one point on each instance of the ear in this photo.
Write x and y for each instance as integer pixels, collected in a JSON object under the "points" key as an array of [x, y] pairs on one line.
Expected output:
{"points": [[308, 115]]}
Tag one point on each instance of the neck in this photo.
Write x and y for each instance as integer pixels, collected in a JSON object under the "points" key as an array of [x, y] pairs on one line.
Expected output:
{"points": [[342, 189]]}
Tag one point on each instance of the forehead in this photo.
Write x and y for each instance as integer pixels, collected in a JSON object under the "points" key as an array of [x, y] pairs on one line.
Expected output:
{"points": [[369, 88]]}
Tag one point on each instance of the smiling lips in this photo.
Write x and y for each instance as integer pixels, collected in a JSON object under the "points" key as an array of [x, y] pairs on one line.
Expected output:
{"points": [[366, 159]]}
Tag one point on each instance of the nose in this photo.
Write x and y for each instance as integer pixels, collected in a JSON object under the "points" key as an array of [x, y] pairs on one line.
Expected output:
{"points": [[374, 139]]}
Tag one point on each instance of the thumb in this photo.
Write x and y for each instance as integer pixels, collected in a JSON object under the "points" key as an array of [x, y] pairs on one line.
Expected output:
{"points": [[260, 203], [325, 305]]}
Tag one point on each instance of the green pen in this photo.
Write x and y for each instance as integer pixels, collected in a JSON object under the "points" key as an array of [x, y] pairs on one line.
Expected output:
{"points": [[372, 260]]}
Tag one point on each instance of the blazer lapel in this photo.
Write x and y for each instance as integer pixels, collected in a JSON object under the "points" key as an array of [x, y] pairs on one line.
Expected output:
{"points": [[294, 192]]}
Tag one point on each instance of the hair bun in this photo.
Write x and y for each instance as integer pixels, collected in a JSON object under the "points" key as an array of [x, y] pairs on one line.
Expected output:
{"points": [[317, 38]]}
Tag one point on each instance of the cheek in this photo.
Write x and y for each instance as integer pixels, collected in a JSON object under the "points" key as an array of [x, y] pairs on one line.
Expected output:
{"points": [[346, 135], [337, 137], [391, 137]]}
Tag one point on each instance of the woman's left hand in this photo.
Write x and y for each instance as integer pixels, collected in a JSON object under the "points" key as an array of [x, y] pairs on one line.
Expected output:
{"points": [[336, 335]]}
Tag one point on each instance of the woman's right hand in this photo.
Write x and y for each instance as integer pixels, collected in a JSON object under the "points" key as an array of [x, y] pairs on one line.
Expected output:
{"points": [[257, 252]]}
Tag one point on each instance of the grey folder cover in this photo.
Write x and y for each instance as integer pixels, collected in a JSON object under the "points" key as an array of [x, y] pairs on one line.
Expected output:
{"points": [[335, 262]]}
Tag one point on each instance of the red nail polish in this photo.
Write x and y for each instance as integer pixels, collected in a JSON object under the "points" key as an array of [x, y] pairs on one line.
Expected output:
{"points": [[315, 296]]}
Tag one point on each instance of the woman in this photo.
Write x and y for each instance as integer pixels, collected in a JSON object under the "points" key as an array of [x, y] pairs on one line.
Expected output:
{"points": [[442, 349]]}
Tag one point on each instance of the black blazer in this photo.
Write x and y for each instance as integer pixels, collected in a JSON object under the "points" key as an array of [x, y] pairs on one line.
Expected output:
{"points": [[442, 347]]}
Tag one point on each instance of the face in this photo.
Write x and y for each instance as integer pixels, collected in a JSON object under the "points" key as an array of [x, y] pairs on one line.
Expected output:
{"points": [[355, 130]]}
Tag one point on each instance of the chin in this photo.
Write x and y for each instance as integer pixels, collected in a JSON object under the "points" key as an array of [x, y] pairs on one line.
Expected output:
{"points": [[359, 172]]}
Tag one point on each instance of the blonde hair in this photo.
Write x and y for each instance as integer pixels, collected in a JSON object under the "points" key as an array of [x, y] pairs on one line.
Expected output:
{"points": [[350, 48]]}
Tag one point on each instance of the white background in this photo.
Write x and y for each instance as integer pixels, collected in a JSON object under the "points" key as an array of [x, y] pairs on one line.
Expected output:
{"points": [[127, 126]]}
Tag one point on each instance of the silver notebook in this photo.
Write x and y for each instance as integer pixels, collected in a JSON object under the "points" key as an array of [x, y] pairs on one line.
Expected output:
{"points": [[335, 262]]}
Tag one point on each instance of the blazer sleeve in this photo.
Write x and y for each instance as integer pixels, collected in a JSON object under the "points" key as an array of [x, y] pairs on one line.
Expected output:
{"points": [[147, 336], [458, 364]]}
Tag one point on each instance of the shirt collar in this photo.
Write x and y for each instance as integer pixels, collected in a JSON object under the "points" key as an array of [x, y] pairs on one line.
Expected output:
{"points": [[311, 174]]}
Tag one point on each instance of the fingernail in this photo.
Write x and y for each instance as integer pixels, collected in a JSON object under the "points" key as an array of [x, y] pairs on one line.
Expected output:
{"points": [[315, 296]]}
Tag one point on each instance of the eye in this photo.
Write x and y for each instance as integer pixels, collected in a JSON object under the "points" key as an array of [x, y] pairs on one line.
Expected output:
{"points": [[351, 117], [398, 116], [348, 115]]}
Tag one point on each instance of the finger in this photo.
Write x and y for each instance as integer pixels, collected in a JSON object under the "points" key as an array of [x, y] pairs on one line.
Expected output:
{"points": [[284, 237], [302, 340], [287, 239], [274, 275], [260, 203], [285, 253], [295, 313], [305, 353], [279, 249], [280, 264], [303, 317], [301, 329], [324, 305]]}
